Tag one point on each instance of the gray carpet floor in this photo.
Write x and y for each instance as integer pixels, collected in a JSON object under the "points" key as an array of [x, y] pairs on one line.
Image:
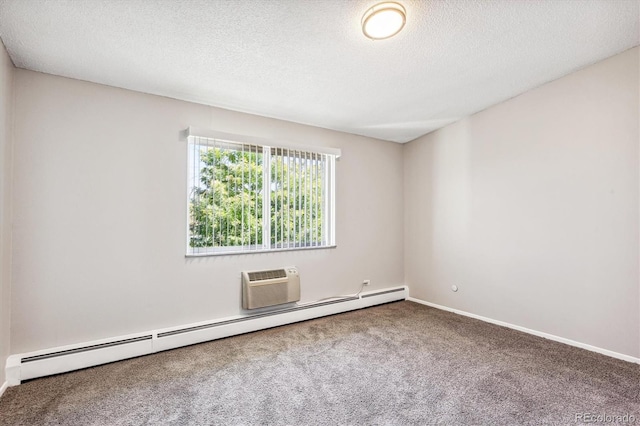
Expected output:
{"points": [[395, 364]]}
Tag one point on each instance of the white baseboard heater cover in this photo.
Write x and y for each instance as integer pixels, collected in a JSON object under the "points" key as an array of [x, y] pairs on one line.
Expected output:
{"points": [[269, 288], [31, 365]]}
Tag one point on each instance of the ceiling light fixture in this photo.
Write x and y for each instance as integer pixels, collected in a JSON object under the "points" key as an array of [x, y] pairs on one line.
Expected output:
{"points": [[383, 20]]}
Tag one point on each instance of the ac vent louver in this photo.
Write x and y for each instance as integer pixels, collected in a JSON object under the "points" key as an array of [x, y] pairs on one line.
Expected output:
{"points": [[267, 275]]}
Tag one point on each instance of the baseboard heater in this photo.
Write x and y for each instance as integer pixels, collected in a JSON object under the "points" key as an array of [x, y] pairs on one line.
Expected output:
{"points": [[73, 357]]}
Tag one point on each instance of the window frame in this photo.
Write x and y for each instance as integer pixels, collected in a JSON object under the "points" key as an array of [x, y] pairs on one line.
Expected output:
{"points": [[191, 135]]}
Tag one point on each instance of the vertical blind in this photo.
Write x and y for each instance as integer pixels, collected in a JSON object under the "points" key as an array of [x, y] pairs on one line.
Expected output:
{"points": [[247, 197]]}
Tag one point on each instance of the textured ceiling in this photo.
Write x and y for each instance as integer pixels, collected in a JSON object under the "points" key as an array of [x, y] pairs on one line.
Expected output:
{"points": [[308, 61]]}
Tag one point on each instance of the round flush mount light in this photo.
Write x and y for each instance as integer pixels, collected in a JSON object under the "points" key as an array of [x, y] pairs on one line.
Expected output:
{"points": [[383, 20]]}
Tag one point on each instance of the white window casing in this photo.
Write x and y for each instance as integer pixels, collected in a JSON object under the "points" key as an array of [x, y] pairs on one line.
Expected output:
{"points": [[249, 194]]}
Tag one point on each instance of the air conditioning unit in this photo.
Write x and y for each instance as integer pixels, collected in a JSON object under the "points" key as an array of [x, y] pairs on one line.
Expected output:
{"points": [[269, 288]]}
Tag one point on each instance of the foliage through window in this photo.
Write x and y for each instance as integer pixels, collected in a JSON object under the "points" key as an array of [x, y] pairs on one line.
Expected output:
{"points": [[247, 197]]}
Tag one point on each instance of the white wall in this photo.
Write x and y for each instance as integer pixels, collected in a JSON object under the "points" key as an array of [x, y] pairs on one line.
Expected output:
{"points": [[6, 97], [100, 211], [531, 208]]}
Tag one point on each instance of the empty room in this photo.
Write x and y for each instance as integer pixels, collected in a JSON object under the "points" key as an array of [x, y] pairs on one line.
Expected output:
{"points": [[319, 212]]}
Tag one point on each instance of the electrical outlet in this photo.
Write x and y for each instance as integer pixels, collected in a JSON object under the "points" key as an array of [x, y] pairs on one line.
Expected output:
{"points": [[366, 282]]}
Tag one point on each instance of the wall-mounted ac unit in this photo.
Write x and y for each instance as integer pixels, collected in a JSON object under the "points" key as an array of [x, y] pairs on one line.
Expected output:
{"points": [[269, 288]]}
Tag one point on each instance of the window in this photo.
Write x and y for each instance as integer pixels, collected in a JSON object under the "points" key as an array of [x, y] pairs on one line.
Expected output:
{"points": [[245, 195]]}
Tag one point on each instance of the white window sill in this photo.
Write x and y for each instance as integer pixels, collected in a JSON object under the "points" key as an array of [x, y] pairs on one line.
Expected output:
{"points": [[237, 252]]}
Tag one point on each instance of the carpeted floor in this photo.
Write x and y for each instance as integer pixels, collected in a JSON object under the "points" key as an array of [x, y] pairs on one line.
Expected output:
{"points": [[396, 364]]}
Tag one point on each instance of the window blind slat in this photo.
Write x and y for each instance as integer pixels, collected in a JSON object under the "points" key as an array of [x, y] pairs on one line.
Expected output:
{"points": [[315, 199], [296, 195], [266, 201], [256, 181], [288, 199], [195, 202], [282, 223], [242, 221], [305, 216], [324, 199], [210, 226]]}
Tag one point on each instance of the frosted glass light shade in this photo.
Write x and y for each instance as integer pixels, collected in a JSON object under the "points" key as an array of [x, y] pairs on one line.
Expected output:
{"points": [[383, 20]]}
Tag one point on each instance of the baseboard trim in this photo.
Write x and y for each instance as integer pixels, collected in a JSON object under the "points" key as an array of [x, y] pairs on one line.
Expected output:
{"points": [[62, 359], [3, 388], [548, 336]]}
